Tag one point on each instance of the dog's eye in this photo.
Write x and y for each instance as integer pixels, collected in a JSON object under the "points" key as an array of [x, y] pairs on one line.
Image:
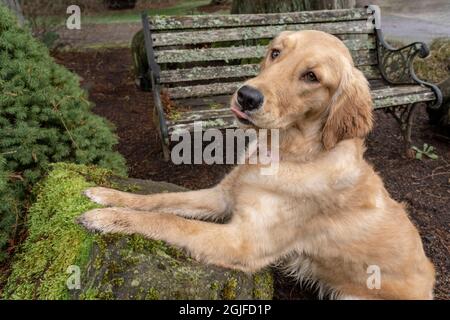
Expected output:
{"points": [[275, 53], [310, 76]]}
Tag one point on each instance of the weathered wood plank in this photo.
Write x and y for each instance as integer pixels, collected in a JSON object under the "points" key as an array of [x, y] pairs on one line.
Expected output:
{"points": [[220, 21], [203, 90], [217, 123], [205, 73], [229, 53], [391, 91], [364, 58], [370, 72], [384, 102], [232, 71], [387, 96], [198, 115], [206, 103], [259, 32], [211, 54]]}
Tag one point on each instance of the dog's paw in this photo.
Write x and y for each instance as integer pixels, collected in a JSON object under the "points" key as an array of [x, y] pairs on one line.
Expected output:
{"points": [[104, 220], [103, 196]]}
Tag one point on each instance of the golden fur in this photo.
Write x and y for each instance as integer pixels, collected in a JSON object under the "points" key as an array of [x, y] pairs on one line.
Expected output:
{"points": [[325, 216]]}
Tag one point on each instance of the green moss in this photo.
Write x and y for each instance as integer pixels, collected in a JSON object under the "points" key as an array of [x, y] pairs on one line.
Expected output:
{"points": [[129, 258], [118, 282], [90, 294], [263, 283], [107, 295], [215, 290], [229, 291], [94, 294], [132, 188], [214, 123], [115, 267], [215, 106], [138, 243], [152, 294], [55, 242], [174, 115]]}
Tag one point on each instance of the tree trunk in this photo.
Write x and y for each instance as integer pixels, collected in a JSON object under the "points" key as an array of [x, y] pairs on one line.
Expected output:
{"points": [[218, 2], [270, 6], [441, 116], [14, 5]]}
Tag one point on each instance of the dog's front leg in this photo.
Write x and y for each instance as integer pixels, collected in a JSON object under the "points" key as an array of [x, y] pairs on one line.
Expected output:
{"points": [[213, 203], [225, 245]]}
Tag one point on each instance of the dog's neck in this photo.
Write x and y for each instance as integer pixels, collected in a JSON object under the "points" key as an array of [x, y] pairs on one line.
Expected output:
{"points": [[301, 142]]}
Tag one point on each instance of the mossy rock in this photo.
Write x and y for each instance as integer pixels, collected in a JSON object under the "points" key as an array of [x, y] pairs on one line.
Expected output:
{"points": [[111, 266]]}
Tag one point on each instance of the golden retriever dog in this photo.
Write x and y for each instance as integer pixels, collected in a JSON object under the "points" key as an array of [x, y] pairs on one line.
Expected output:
{"points": [[325, 214]]}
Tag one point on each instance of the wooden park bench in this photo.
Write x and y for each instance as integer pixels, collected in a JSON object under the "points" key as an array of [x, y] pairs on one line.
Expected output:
{"points": [[194, 63]]}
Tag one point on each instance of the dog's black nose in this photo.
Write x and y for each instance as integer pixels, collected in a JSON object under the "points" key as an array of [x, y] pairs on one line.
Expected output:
{"points": [[249, 98]]}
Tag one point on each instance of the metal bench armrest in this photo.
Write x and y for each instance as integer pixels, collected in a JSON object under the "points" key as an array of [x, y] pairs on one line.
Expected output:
{"points": [[154, 73], [396, 65]]}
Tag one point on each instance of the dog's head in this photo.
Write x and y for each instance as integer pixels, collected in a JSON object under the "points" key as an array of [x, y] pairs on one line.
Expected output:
{"points": [[307, 78]]}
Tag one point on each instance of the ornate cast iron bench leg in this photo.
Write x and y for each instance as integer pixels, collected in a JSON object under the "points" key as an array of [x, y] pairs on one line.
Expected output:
{"points": [[404, 115]]}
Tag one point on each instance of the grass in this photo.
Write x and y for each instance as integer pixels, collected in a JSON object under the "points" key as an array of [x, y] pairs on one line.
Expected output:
{"points": [[434, 68], [180, 8]]}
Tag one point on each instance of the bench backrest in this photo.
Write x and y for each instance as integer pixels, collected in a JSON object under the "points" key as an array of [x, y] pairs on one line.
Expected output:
{"points": [[209, 55]]}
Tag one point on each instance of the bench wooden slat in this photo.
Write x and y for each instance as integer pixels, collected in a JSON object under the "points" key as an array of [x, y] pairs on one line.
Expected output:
{"points": [[205, 103], [203, 90], [390, 91], [385, 97], [225, 54], [231, 53], [220, 21], [197, 115], [260, 32], [218, 123], [205, 73], [383, 102], [232, 71]]}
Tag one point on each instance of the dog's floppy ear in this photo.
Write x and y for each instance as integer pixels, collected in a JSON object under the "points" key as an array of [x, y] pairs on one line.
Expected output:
{"points": [[350, 112]]}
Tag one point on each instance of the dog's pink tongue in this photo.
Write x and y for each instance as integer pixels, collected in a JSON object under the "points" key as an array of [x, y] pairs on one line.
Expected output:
{"points": [[238, 112]]}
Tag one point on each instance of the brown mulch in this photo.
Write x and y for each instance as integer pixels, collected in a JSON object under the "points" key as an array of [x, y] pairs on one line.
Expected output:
{"points": [[424, 186], [211, 8]]}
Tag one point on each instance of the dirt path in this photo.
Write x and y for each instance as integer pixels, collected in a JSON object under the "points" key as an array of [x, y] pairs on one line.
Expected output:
{"points": [[415, 20], [97, 35], [409, 29], [424, 186]]}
